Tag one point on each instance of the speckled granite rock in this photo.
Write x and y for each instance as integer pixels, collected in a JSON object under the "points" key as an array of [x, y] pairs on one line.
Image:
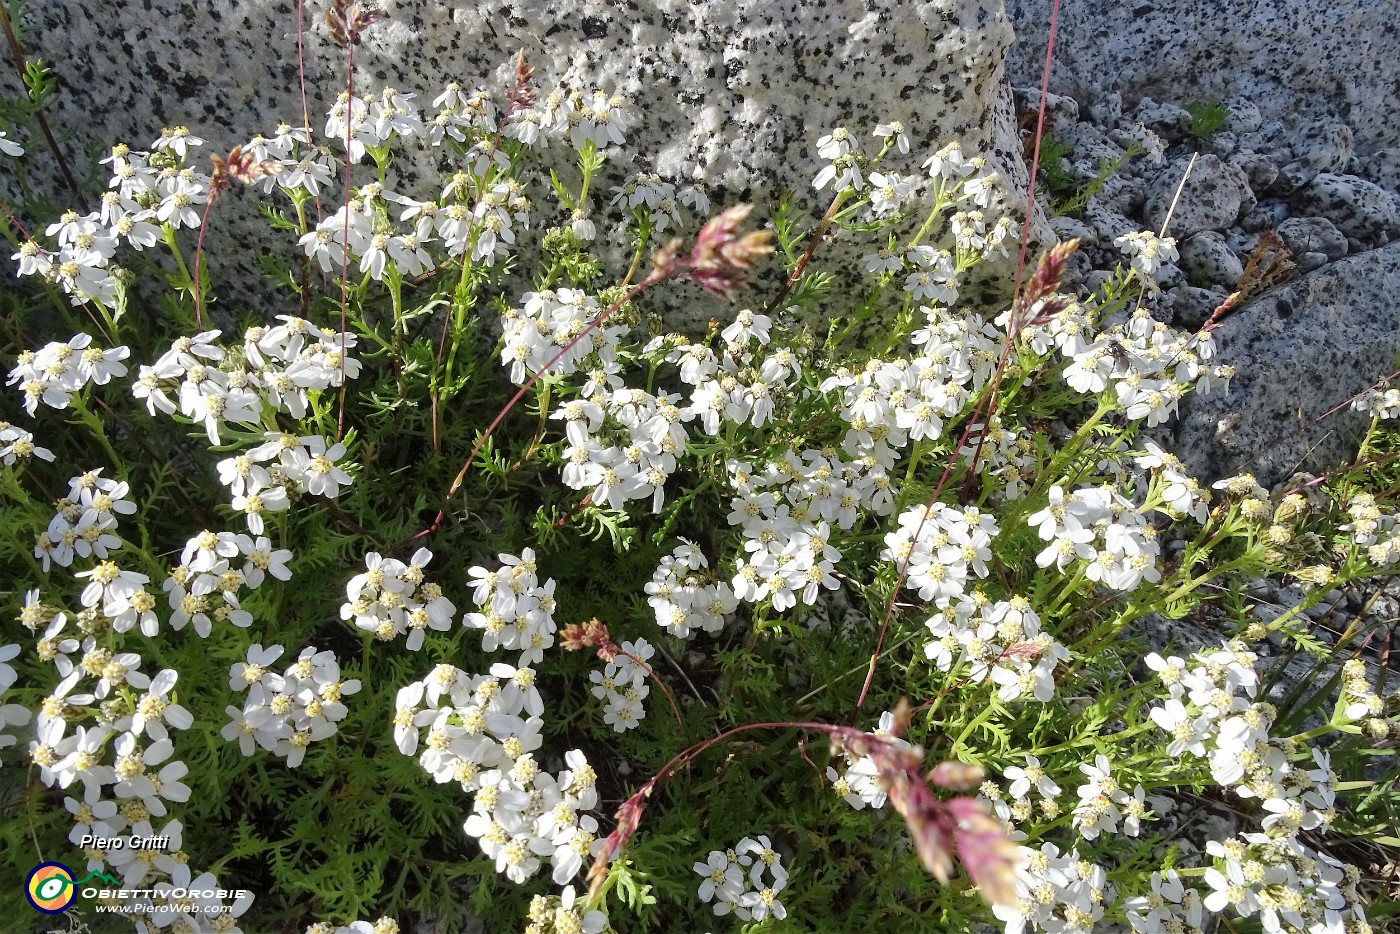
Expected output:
{"points": [[736, 93], [1213, 197], [1313, 235], [1206, 256], [1355, 206], [1301, 349], [1300, 64]]}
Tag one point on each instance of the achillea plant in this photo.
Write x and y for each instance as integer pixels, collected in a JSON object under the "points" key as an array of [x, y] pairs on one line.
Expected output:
{"points": [[294, 592]]}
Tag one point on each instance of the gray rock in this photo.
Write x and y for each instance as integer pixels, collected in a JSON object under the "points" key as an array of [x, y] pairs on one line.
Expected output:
{"points": [[1310, 260], [1313, 235], [1107, 109], [1293, 176], [735, 93], [1244, 115], [1300, 350], [1192, 306], [1357, 207], [1382, 166], [1223, 144], [1067, 228], [1323, 147], [1213, 197], [1258, 168], [1299, 64], [1206, 256], [1267, 215], [1166, 120]]}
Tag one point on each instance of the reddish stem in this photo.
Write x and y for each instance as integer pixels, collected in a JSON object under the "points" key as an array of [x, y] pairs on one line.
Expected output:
{"points": [[675, 710]]}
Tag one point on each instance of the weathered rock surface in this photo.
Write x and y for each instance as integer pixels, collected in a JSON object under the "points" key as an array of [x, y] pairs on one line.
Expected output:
{"points": [[1301, 349], [1213, 196], [734, 93]]}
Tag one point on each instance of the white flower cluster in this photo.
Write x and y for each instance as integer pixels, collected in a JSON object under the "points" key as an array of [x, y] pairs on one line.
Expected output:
{"points": [[545, 324], [1007, 454], [1373, 530], [1002, 640], [623, 444], [1178, 492], [745, 894], [277, 368], [514, 610], [85, 521], [891, 402], [107, 726], [1102, 528], [1024, 779], [482, 732], [16, 444], [391, 598], [147, 192], [939, 547], [285, 713], [1150, 365], [1360, 702], [1059, 892], [1149, 254], [658, 200], [10, 714], [857, 783], [686, 597], [1381, 402], [564, 914], [622, 685], [205, 570], [1103, 804], [60, 369], [466, 215], [384, 925]]}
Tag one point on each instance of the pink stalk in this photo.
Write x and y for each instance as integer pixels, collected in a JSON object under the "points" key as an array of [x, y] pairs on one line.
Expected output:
{"points": [[939, 828]]}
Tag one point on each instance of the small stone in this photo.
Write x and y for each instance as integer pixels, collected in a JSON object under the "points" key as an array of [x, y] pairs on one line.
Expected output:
{"points": [[1294, 176], [1267, 215], [1309, 261], [1167, 120], [1357, 207], [1205, 257], [1067, 228], [1244, 115], [1323, 147], [1313, 235], [1258, 168], [1107, 110], [1222, 144], [1213, 197], [1192, 306]]}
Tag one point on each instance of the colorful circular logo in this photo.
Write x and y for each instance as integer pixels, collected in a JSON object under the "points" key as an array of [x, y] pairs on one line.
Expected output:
{"points": [[50, 888]]}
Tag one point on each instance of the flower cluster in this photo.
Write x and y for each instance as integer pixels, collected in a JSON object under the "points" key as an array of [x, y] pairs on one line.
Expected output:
{"points": [[1102, 528], [85, 521], [1373, 530], [60, 369], [514, 610], [17, 445], [1380, 402], [657, 200], [858, 784], [939, 547], [382, 926], [274, 372], [622, 685], [206, 570], [734, 880], [482, 732], [686, 597], [1056, 892], [285, 713], [391, 598], [1001, 640], [563, 914], [1149, 254]]}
